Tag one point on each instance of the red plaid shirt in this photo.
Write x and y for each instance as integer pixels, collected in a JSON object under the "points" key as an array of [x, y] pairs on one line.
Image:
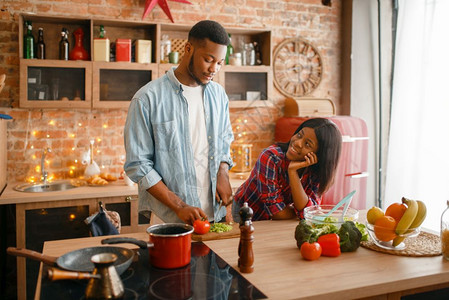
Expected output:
{"points": [[267, 190]]}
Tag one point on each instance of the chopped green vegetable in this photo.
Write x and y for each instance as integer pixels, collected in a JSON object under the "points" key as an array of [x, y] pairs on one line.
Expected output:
{"points": [[362, 228], [220, 227], [350, 237]]}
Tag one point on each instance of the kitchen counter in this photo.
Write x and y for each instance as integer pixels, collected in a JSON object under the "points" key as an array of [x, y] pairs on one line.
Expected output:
{"points": [[113, 189], [281, 273], [114, 192]]}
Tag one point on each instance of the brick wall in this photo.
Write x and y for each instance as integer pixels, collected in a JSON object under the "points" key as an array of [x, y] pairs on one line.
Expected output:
{"points": [[68, 132]]}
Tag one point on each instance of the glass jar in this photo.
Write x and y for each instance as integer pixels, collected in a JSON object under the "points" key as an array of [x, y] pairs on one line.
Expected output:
{"points": [[445, 232], [165, 49], [250, 55], [236, 59]]}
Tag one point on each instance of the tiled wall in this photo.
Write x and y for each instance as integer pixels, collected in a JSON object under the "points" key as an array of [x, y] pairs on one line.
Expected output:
{"points": [[68, 132]]}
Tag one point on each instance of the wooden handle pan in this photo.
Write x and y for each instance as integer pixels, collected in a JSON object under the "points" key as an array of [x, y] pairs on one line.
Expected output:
{"points": [[78, 260]]}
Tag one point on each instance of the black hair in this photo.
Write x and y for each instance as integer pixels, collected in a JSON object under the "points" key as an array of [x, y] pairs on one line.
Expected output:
{"points": [[329, 149], [208, 29]]}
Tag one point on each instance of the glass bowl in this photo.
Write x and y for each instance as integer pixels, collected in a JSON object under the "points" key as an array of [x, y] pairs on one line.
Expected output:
{"points": [[317, 215], [389, 245]]}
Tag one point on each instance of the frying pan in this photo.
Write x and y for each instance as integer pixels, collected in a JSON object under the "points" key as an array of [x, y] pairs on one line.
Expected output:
{"points": [[78, 260]]}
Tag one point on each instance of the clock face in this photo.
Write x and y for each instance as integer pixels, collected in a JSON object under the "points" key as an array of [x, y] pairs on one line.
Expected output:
{"points": [[298, 67]]}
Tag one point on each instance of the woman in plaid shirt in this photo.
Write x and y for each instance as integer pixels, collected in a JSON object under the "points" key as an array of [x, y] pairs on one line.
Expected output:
{"points": [[290, 176]]}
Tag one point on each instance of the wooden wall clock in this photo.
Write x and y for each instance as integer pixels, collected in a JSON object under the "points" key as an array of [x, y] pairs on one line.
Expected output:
{"points": [[298, 67]]}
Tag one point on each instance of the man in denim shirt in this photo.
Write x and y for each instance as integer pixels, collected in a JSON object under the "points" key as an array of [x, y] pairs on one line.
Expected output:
{"points": [[178, 134]]}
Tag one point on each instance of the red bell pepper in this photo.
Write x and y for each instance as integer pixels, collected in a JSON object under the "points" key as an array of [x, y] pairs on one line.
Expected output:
{"points": [[330, 244]]}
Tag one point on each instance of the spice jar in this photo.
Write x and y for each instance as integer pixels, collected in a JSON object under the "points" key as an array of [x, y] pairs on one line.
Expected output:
{"points": [[445, 232]]}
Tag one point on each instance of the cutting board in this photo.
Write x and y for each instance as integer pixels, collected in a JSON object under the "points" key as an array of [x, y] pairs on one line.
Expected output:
{"points": [[234, 232]]}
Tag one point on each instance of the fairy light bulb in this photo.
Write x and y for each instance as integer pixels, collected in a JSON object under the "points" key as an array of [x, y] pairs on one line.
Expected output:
{"points": [[105, 126], [51, 123]]}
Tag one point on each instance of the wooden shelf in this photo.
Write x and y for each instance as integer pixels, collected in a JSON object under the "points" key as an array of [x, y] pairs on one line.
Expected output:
{"points": [[99, 89]]}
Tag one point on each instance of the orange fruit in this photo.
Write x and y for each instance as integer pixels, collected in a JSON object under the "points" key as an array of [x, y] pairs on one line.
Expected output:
{"points": [[396, 210], [384, 228]]}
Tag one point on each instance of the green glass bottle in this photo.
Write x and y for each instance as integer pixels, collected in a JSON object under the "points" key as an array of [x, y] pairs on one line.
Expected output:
{"points": [[102, 32], [28, 41], [230, 50]]}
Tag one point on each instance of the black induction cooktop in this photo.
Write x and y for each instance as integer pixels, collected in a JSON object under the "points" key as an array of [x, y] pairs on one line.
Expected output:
{"points": [[207, 276]]}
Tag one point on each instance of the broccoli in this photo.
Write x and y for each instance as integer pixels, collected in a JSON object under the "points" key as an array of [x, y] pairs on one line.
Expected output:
{"points": [[303, 233], [350, 237], [307, 233]]}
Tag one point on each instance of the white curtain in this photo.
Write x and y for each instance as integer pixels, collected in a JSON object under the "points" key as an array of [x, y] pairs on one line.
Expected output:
{"points": [[418, 154]]}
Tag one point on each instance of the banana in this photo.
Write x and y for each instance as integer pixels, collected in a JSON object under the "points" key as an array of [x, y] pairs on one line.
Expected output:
{"points": [[408, 217], [420, 216]]}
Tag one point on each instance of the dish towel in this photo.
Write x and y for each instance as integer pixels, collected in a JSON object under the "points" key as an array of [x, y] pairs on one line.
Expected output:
{"points": [[104, 222]]}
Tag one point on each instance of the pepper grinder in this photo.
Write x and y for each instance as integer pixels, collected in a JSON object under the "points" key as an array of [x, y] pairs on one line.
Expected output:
{"points": [[246, 255]]}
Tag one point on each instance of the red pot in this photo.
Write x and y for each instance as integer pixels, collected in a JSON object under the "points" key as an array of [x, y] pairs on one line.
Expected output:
{"points": [[172, 244]]}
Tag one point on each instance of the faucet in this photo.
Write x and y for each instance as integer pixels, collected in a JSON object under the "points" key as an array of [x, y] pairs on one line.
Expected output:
{"points": [[44, 173]]}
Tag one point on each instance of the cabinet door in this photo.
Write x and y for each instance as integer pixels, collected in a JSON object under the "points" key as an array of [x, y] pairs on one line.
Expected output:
{"points": [[115, 83], [55, 84]]}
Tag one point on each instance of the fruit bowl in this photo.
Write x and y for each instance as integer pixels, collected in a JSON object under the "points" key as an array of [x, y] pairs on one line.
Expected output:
{"points": [[411, 233], [318, 214]]}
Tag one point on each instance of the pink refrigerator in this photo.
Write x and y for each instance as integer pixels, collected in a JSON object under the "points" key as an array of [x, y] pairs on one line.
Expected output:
{"points": [[352, 168]]}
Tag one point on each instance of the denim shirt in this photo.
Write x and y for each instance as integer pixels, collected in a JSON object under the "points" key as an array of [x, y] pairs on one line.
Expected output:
{"points": [[158, 144]]}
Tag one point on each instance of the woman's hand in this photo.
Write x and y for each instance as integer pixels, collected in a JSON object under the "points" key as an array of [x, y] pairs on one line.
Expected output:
{"points": [[309, 159]]}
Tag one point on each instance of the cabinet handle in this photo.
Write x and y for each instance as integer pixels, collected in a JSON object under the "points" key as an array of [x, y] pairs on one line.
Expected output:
{"points": [[129, 198], [351, 139], [358, 175]]}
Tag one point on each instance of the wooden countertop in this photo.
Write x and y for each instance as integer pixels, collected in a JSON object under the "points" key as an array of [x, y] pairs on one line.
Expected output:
{"points": [[113, 189], [281, 273]]}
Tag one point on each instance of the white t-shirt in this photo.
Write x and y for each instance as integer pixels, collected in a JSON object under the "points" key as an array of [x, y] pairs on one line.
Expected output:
{"points": [[200, 145]]}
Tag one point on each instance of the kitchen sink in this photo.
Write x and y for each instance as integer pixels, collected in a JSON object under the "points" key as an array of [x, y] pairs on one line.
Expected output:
{"points": [[45, 187]]}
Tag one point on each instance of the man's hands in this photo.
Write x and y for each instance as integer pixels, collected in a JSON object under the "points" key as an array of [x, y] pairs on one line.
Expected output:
{"points": [[189, 214], [224, 190], [309, 159]]}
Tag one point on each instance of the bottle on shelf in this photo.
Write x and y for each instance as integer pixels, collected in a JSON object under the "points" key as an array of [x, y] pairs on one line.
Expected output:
{"points": [[78, 52], [28, 41], [102, 32], [258, 54], [444, 234], [165, 49], [40, 44], [250, 55], [64, 45], [230, 51]]}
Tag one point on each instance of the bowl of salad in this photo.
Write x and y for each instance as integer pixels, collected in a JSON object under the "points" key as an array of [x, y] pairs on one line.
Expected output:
{"points": [[327, 214]]}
